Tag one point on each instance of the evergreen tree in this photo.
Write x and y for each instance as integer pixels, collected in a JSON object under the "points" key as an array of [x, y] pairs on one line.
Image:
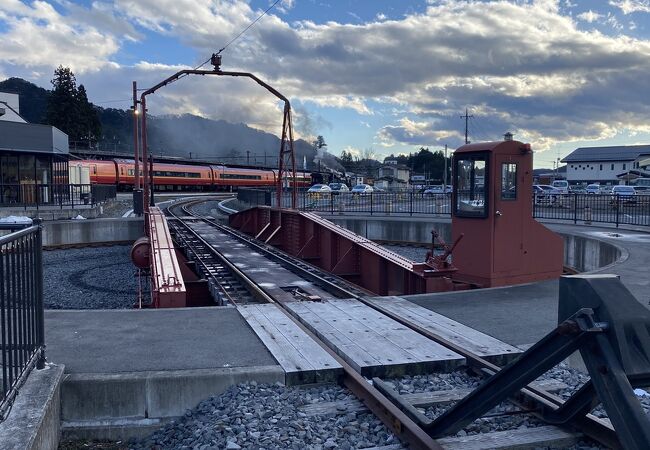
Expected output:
{"points": [[89, 125], [320, 142], [62, 104]]}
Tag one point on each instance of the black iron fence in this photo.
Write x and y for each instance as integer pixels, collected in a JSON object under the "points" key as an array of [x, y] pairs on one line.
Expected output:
{"points": [[22, 337], [55, 195], [584, 208]]}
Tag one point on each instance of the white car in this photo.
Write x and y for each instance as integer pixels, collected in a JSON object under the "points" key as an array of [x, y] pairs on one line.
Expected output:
{"points": [[339, 187], [593, 189], [545, 194], [440, 189], [362, 189], [320, 189], [561, 185]]}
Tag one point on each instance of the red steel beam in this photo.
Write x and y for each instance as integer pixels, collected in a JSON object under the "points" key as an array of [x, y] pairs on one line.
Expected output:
{"points": [[167, 285], [342, 252]]}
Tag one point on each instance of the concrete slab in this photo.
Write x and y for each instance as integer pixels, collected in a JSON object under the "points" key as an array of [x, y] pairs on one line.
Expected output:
{"points": [[34, 420], [369, 341], [123, 405], [113, 341], [86, 232]]}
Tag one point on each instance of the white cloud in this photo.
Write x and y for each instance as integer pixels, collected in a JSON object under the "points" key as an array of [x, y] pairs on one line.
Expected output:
{"points": [[631, 6], [590, 16]]}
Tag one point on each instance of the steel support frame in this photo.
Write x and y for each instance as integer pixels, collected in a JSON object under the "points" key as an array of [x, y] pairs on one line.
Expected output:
{"points": [[287, 159]]}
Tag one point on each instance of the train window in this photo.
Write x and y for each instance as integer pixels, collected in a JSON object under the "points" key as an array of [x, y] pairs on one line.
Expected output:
{"points": [[508, 181], [237, 176], [94, 170], [470, 176]]}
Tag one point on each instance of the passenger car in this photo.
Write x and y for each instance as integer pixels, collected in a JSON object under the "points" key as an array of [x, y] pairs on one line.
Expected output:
{"points": [[338, 187], [545, 194], [593, 189], [623, 194], [319, 189], [439, 189], [362, 189]]}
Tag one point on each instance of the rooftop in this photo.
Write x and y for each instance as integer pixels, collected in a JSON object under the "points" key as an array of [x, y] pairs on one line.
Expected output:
{"points": [[616, 153]]}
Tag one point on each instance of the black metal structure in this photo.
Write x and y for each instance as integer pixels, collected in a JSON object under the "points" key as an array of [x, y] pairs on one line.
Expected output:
{"points": [[22, 337], [55, 195], [600, 318]]}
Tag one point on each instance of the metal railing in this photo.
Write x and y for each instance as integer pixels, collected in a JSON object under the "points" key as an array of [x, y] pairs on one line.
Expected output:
{"points": [[585, 208], [22, 337], [54, 195]]}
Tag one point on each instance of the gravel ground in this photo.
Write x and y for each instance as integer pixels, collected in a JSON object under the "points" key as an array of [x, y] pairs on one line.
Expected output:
{"points": [[209, 208], [263, 416], [447, 381], [89, 278], [416, 254]]}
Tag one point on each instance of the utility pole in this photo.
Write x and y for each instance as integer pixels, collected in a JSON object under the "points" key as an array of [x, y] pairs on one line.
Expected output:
{"points": [[466, 117], [445, 173]]}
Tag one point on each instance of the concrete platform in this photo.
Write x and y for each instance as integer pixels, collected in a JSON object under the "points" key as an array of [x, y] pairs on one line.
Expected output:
{"points": [[113, 341], [372, 343]]}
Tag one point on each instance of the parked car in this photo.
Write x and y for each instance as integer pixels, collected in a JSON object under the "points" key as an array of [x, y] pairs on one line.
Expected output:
{"points": [[561, 185], [362, 189], [545, 194], [593, 189], [319, 189], [339, 187], [438, 189], [623, 194]]}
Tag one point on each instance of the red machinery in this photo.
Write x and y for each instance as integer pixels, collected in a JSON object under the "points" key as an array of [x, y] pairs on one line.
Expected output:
{"points": [[156, 252], [492, 208]]}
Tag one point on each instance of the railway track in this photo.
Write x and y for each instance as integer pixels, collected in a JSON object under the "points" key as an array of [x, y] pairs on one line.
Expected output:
{"points": [[402, 421]]}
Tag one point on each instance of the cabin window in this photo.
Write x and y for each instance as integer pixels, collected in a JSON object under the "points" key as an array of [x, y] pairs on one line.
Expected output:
{"points": [[470, 178], [508, 181]]}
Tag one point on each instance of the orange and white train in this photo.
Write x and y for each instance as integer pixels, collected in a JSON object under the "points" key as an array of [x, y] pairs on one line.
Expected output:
{"points": [[121, 172]]}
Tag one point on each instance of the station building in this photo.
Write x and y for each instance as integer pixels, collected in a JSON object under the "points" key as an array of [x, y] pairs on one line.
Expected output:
{"points": [[606, 165], [33, 157]]}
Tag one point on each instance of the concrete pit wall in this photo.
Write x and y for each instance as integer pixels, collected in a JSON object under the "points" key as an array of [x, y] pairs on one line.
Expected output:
{"points": [[92, 231], [580, 253]]}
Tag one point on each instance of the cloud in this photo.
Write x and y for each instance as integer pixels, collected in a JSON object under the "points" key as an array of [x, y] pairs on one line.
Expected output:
{"points": [[38, 36], [631, 6], [546, 79], [589, 16]]}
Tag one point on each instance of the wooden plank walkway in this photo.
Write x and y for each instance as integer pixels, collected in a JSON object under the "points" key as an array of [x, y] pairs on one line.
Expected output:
{"points": [[520, 439], [372, 343], [302, 359], [481, 344]]}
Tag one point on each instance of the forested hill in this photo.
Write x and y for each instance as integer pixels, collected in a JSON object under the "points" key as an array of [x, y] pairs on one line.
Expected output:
{"points": [[170, 135]]}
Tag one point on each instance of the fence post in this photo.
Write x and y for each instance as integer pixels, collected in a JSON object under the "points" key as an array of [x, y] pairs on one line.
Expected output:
{"points": [[371, 203], [575, 208], [40, 316], [617, 209], [411, 204], [331, 203]]}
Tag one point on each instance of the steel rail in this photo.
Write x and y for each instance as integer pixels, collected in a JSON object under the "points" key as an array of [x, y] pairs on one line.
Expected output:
{"points": [[395, 419], [531, 397], [256, 293]]}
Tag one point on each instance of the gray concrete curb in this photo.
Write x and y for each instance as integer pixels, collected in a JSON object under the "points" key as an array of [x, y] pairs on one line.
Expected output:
{"points": [[34, 420], [125, 405]]}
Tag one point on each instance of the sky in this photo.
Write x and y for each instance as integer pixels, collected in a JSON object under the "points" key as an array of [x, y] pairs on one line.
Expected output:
{"points": [[371, 76]]}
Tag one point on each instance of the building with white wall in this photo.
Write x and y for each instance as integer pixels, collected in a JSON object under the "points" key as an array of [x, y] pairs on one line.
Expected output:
{"points": [[10, 108], [604, 165]]}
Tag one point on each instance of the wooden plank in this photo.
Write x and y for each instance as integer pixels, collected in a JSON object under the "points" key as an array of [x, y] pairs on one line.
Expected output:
{"points": [[415, 344], [477, 342], [519, 439], [341, 344], [374, 353], [302, 360]]}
